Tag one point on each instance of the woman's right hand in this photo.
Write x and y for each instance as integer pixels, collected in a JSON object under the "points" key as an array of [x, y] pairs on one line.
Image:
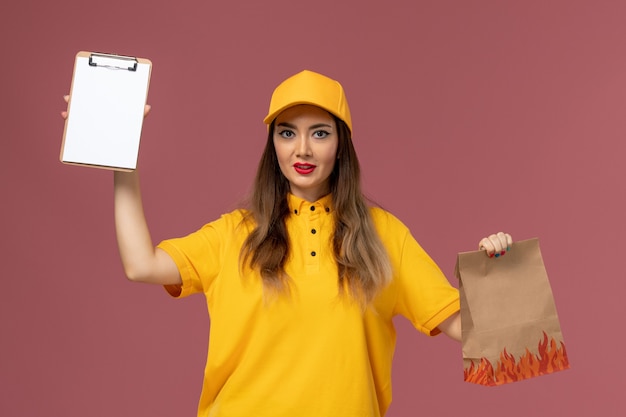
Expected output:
{"points": [[146, 109], [142, 262]]}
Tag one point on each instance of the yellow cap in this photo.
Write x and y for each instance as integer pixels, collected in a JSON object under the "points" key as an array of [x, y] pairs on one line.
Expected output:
{"points": [[308, 87]]}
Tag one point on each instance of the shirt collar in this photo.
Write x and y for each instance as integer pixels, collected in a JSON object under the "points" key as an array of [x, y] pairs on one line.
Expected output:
{"points": [[299, 205]]}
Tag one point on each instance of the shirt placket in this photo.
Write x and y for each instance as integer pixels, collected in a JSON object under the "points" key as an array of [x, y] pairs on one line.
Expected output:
{"points": [[313, 231]]}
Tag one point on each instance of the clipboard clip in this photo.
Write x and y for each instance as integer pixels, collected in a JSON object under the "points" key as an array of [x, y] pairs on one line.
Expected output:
{"points": [[115, 62]]}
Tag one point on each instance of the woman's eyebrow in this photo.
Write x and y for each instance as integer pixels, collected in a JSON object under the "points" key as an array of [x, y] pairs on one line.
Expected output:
{"points": [[318, 125], [315, 126]]}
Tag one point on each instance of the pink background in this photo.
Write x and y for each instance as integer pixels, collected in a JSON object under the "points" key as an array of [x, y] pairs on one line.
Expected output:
{"points": [[470, 117]]}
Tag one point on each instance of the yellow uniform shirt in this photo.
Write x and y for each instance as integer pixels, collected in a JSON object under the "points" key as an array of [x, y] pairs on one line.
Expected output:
{"points": [[313, 352]]}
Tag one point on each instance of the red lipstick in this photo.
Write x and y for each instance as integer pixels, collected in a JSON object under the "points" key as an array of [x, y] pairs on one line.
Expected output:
{"points": [[303, 168]]}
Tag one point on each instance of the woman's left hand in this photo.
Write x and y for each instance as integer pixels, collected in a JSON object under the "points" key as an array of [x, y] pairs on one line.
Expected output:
{"points": [[496, 245]]}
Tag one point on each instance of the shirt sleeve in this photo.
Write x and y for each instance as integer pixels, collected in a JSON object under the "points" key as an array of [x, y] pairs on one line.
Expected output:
{"points": [[423, 293], [198, 256]]}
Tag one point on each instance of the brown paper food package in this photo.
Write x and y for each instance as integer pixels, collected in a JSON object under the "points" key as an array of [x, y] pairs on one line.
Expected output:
{"points": [[511, 330]]}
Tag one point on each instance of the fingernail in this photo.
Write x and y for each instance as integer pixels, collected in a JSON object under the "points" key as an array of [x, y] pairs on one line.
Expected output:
{"points": [[491, 255], [502, 253], [508, 248], [497, 255]]}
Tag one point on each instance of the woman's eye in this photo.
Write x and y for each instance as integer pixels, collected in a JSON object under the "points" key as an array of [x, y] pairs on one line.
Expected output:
{"points": [[288, 134], [320, 134]]}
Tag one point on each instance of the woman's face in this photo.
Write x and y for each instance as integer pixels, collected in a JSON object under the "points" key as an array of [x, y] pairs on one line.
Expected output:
{"points": [[305, 139]]}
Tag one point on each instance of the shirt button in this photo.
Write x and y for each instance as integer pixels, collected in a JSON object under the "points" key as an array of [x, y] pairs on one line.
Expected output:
{"points": [[312, 208], [313, 253], [295, 211], [327, 209], [313, 231]]}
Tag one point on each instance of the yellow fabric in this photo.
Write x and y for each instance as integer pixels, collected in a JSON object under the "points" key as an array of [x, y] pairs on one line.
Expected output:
{"points": [[308, 87], [310, 353]]}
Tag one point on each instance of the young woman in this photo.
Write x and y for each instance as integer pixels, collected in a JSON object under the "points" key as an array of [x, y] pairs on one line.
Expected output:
{"points": [[302, 285]]}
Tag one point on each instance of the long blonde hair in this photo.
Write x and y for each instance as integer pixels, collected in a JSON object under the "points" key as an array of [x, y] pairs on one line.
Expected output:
{"points": [[362, 261]]}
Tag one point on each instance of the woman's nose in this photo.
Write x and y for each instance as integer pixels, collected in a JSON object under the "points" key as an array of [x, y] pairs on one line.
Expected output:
{"points": [[302, 147]]}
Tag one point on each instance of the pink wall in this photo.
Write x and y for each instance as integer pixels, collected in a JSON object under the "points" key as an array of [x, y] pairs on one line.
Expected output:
{"points": [[470, 117]]}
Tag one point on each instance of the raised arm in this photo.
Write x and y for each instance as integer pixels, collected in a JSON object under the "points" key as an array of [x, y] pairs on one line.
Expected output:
{"points": [[141, 260]]}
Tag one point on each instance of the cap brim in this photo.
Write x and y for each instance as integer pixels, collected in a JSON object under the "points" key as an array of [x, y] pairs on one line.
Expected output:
{"points": [[270, 117]]}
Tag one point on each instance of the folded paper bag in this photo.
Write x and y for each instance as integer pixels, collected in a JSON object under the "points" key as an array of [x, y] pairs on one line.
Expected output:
{"points": [[510, 326]]}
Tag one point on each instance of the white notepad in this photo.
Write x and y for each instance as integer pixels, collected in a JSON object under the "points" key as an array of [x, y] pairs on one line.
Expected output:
{"points": [[105, 111]]}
